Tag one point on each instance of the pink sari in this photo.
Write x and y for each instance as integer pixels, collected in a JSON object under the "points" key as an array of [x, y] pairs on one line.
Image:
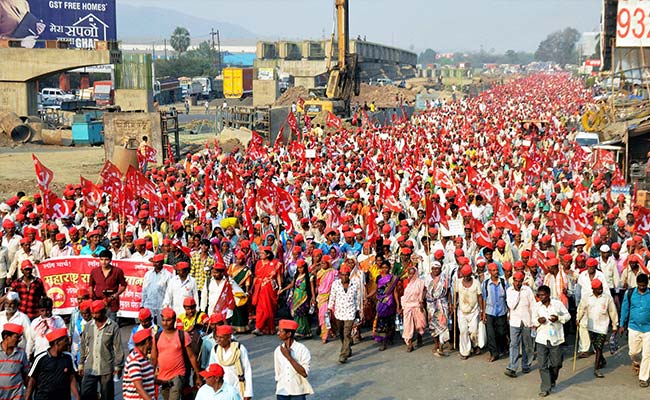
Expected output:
{"points": [[414, 318]]}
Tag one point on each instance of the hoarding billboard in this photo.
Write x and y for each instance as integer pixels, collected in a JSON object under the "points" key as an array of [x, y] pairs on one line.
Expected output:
{"points": [[633, 24], [82, 23]]}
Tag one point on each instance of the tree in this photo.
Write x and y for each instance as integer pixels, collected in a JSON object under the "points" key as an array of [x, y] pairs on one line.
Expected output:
{"points": [[559, 47], [427, 57], [511, 57], [180, 40]]}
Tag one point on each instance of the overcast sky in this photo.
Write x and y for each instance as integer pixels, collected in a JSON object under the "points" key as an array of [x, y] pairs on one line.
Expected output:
{"points": [[442, 25]]}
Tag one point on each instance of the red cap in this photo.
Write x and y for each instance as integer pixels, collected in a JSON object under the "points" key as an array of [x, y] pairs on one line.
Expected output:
{"points": [[144, 313], [13, 328], [216, 318], [93, 233], [438, 254], [592, 262], [97, 306], [168, 313], [85, 305], [596, 283], [224, 330], [141, 335], [466, 270], [83, 292], [518, 276], [501, 243], [213, 370], [182, 265], [189, 302], [616, 246], [26, 264], [59, 236], [344, 269], [158, 258], [507, 266], [288, 324], [56, 334], [140, 242]]}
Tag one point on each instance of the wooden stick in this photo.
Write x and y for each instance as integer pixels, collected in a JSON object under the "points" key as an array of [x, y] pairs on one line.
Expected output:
{"points": [[575, 347]]}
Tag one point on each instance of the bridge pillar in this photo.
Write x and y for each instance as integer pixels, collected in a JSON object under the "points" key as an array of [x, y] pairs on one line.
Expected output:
{"points": [[19, 97]]}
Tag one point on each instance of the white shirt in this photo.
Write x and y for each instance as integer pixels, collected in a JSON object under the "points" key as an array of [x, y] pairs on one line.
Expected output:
{"points": [[552, 332], [4, 262], [225, 392], [57, 252], [520, 304], [585, 283], [610, 271], [598, 311], [345, 303], [288, 381], [177, 291], [230, 372], [39, 328], [23, 320], [210, 295], [154, 287], [148, 254]]}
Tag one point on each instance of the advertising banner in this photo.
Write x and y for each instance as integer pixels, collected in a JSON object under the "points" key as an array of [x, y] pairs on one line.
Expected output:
{"points": [[82, 23], [62, 278], [633, 23]]}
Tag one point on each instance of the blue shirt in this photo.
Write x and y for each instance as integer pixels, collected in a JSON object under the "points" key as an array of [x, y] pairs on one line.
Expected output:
{"points": [[85, 251], [495, 297], [636, 312], [353, 249]]}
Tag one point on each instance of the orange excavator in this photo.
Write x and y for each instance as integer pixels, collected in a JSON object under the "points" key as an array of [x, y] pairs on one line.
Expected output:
{"points": [[343, 81]]}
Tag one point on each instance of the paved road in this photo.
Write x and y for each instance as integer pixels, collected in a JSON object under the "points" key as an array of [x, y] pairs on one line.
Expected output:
{"points": [[395, 374]]}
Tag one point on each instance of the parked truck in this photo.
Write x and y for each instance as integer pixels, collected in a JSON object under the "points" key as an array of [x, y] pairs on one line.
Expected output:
{"points": [[208, 91], [237, 82], [103, 93], [190, 88]]}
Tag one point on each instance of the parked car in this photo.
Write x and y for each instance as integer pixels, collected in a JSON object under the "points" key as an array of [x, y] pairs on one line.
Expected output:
{"points": [[48, 94]]}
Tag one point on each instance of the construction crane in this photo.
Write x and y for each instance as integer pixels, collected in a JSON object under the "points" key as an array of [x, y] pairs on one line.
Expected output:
{"points": [[343, 81]]}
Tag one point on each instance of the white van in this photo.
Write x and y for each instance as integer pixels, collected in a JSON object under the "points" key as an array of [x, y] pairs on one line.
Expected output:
{"points": [[49, 94], [587, 140]]}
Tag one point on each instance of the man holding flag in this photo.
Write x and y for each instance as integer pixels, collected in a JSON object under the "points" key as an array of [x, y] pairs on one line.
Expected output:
{"points": [[217, 295]]}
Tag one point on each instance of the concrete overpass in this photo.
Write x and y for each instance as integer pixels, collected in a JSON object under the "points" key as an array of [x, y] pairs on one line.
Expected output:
{"points": [[308, 58], [20, 68]]}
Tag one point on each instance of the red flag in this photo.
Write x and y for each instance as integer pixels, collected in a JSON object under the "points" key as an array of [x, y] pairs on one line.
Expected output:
{"points": [[130, 201], [285, 203], [92, 194], [293, 123], [54, 207], [372, 230], [157, 206], [435, 213], [44, 175], [300, 102], [538, 256], [308, 122], [249, 210], [481, 235], [279, 139], [226, 300], [441, 179], [488, 191], [642, 225], [141, 184], [266, 199], [566, 228], [333, 121], [170, 153], [473, 176], [388, 198], [256, 139], [505, 217]]}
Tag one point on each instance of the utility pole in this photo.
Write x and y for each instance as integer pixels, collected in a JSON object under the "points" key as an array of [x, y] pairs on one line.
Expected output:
{"points": [[219, 61], [165, 47], [212, 58]]}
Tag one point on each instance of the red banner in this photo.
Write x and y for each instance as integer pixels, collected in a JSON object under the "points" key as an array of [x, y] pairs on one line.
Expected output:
{"points": [[62, 278]]}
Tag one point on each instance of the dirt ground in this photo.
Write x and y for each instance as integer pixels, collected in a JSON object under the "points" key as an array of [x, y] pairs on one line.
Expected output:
{"points": [[67, 163]]}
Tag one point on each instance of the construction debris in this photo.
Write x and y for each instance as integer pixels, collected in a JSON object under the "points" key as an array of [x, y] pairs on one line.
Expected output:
{"points": [[384, 96], [291, 95]]}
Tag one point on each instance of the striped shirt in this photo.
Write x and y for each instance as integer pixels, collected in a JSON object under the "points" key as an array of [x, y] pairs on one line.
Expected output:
{"points": [[11, 369], [137, 368]]}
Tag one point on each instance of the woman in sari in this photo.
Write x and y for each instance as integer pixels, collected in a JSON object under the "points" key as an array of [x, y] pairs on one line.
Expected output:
{"points": [[267, 283], [325, 277], [413, 309], [437, 297], [387, 306], [241, 274], [302, 299]]}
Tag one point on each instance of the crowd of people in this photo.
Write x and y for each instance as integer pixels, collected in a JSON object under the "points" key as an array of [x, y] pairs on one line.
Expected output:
{"points": [[478, 222]]}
